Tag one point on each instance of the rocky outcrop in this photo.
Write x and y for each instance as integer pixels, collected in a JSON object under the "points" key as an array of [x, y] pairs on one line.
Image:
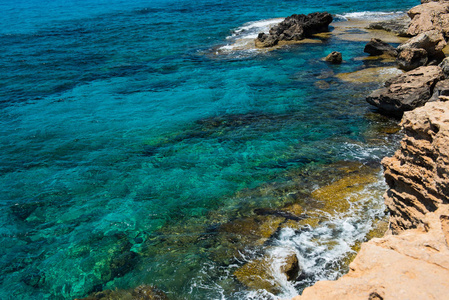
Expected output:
{"points": [[398, 26], [334, 57], [429, 16], [379, 47], [295, 28], [412, 260], [418, 173], [423, 49], [413, 265], [432, 41], [406, 91]]}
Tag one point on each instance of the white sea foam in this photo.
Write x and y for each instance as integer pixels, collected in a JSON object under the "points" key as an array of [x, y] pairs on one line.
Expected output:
{"points": [[242, 38], [371, 15]]}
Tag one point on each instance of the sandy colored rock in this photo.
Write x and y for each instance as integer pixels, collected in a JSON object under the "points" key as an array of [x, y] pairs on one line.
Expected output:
{"points": [[418, 174], [334, 57], [429, 16], [432, 41], [413, 265]]}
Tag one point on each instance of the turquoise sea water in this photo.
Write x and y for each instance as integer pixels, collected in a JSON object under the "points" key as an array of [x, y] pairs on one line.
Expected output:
{"points": [[131, 129]]}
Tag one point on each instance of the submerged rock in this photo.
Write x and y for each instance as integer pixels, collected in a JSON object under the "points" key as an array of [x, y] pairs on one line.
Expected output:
{"points": [[407, 91], [142, 292], [295, 28], [261, 273], [379, 47], [398, 26]]}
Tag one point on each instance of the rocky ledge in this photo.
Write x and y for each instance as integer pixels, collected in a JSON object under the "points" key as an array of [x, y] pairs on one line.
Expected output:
{"points": [[295, 28], [412, 260]]}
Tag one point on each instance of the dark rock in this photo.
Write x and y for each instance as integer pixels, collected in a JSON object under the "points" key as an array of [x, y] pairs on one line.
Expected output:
{"points": [[142, 292], [444, 65], [264, 40], [379, 47], [295, 28], [398, 26], [291, 267], [407, 91], [413, 58], [441, 91], [334, 57]]}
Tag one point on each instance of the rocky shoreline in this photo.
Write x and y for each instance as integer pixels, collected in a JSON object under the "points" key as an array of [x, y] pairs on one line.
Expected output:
{"points": [[411, 261]]}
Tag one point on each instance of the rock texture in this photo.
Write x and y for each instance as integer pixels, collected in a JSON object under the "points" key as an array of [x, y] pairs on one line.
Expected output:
{"points": [[379, 47], [295, 28], [429, 16], [418, 173], [334, 57], [432, 41], [406, 91], [410, 59], [441, 91], [398, 26], [413, 265], [412, 260]]}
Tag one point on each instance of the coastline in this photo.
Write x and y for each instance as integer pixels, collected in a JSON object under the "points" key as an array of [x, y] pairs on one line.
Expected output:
{"points": [[411, 260]]}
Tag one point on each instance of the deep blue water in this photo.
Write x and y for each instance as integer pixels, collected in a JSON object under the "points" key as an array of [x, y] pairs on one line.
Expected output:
{"points": [[122, 122]]}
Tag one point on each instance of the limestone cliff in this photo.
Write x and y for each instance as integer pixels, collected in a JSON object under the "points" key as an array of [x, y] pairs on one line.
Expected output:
{"points": [[412, 260], [418, 173]]}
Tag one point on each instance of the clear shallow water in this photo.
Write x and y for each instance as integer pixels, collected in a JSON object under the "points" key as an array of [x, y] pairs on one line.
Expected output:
{"points": [[121, 128]]}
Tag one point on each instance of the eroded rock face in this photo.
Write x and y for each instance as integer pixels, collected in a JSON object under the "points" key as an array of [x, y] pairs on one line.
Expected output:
{"points": [[410, 59], [418, 173], [406, 91], [431, 41], [429, 16], [295, 28], [441, 91], [413, 265]]}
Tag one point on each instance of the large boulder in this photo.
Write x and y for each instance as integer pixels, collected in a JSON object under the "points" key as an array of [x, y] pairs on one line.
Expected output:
{"points": [[413, 58], [379, 47], [429, 16], [406, 91], [432, 41], [295, 28]]}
